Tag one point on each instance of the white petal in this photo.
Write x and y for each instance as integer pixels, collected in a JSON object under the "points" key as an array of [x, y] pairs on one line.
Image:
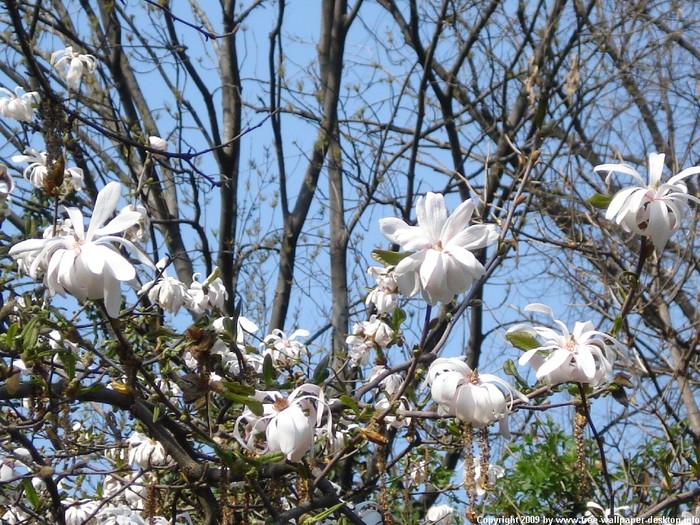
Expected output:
{"points": [[431, 213], [656, 168], [660, 228], [457, 221], [105, 204]]}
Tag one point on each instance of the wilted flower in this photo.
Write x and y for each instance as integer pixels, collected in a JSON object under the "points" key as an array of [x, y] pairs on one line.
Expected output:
{"points": [[146, 452], [486, 481], [37, 170], [210, 293], [374, 333], [230, 360], [583, 355], [385, 296], [478, 399], [72, 65], [167, 292], [288, 423], [654, 210], [595, 511], [86, 264], [18, 107], [442, 264], [439, 515], [382, 403]]}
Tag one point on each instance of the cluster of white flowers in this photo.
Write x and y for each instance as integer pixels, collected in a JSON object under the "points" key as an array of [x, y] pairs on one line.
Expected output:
{"points": [[385, 295], [584, 355], [288, 425], [146, 452], [367, 335], [283, 350], [171, 294]]}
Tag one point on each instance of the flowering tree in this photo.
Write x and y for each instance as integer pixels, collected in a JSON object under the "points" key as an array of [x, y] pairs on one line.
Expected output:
{"points": [[358, 263]]}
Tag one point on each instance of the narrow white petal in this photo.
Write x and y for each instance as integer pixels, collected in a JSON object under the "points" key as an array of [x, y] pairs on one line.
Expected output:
{"points": [[431, 212], [620, 168], [457, 221], [105, 204], [656, 168]]}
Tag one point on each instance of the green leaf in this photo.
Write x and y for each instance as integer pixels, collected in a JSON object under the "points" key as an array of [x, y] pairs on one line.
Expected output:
{"points": [[238, 388], [616, 326], [321, 372], [350, 403], [523, 340], [30, 336], [323, 515], [68, 359], [31, 494], [256, 407], [397, 319], [389, 258], [600, 201], [269, 372]]}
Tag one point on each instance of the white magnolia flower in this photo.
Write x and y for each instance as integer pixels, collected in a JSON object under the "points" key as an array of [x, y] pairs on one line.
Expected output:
{"points": [[385, 296], [86, 264], [439, 515], [157, 143], [583, 355], [72, 65], [689, 518], [209, 294], [596, 511], [390, 384], [288, 424], [120, 515], [443, 264], [230, 359], [420, 472], [146, 452], [124, 489], [478, 399], [167, 292], [382, 403], [654, 209], [37, 170], [14, 516], [366, 335], [139, 231], [18, 107], [78, 512], [285, 350]]}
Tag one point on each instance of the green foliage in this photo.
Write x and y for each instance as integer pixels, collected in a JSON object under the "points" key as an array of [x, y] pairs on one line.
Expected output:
{"points": [[541, 476]]}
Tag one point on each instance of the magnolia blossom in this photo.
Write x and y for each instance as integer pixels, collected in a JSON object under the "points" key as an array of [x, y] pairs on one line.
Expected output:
{"points": [[85, 264], [120, 515], [655, 209], [390, 384], [385, 296], [478, 399], [382, 404], [442, 264], [146, 452], [139, 231], [374, 333], [37, 170], [231, 360], [583, 355], [285, 350], [157, 143], [16, 106], [288, 424], [72, 65], [209, 294], [125, 489], [167, 292], [439, 515], [78, 512]]}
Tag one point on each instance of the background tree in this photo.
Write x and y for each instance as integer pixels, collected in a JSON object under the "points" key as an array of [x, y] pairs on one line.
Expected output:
{"points": [[289, 133]]}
